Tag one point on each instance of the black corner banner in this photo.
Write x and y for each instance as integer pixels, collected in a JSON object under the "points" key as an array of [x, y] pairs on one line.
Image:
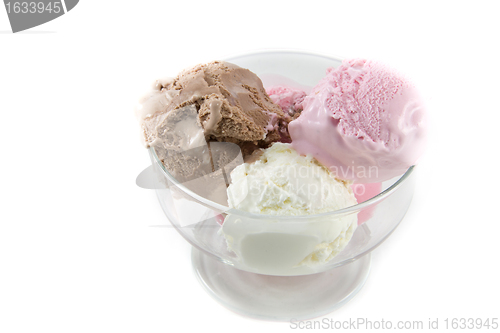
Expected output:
{"points": [[24, 15]]}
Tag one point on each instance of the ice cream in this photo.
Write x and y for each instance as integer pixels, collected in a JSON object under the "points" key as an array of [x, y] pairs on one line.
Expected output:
{"points": [[184, 118], [364, 192], [226, 103], [288, 99], [364, 121], [283, 183]]}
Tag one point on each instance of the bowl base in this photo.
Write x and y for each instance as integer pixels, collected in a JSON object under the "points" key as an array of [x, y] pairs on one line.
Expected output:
{"points": [[280, 298]]}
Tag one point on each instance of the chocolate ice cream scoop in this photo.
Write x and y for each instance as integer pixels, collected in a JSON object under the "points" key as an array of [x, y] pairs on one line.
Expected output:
{"points": [[211, 102], [231, 103]]}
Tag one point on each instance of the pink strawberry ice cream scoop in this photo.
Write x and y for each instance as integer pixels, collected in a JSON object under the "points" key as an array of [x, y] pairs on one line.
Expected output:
{"points": [[288, 99], [364, 121], [363, 192]]}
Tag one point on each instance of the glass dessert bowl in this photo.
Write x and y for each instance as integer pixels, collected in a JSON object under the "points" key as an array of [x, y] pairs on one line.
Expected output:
{"points": [[270, 284]]}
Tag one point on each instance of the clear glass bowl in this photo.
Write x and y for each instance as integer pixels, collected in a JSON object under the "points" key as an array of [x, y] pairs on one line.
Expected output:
{"points": [[301, 292]]}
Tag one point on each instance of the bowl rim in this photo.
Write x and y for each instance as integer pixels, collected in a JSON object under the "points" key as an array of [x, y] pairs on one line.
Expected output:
{"points": [[267, 51], [233, 211]]}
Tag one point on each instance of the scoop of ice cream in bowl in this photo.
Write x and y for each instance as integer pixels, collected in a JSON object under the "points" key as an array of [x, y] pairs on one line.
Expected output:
{"points": [[284, 179]]}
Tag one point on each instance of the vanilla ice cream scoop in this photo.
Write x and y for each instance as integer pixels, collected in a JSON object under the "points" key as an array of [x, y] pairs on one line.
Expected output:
{"points": [[281, 182]]}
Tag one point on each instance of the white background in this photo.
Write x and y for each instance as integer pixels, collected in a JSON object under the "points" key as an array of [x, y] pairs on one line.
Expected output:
{"points": [[78, 248]]}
